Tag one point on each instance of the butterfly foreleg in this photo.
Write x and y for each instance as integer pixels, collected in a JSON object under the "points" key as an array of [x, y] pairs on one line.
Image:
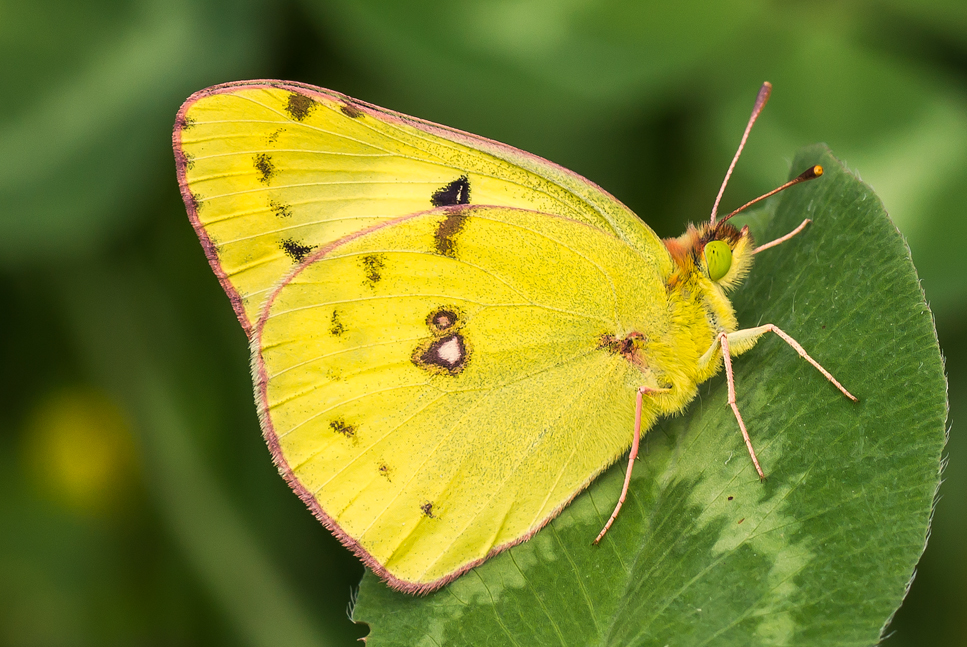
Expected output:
{"points": [[747, 338], [743, 340], [723, 340], [642, 390]]}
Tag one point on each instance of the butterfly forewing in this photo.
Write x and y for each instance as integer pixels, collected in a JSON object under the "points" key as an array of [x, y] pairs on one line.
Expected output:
{"points": [[272, 172]]}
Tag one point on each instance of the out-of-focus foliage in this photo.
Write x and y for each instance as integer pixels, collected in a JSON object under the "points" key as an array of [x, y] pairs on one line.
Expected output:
{"points": [[112, 319]]}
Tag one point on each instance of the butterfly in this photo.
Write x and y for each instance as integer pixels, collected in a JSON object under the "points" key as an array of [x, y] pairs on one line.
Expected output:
{"points": [[451, 338]]}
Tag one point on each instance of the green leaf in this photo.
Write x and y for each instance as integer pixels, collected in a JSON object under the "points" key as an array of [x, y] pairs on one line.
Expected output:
{"points": [[703, 553]]}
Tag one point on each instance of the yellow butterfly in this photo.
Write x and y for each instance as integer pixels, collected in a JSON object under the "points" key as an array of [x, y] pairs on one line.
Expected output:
{"points": [[451, 338]]}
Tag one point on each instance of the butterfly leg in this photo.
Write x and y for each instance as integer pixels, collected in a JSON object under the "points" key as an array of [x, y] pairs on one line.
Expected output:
{"points": [[745, 339], [631, 459], [782, 239], [727, 358]]}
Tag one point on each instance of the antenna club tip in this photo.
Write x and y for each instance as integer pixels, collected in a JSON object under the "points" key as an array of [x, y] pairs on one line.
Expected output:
{"points": [[762, 97], [810, 173]]}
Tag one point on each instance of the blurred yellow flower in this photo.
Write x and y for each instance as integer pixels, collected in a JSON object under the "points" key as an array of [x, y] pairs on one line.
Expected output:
{"points": [[79, 450]]}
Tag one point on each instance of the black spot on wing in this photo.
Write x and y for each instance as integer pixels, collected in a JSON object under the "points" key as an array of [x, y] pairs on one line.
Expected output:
{"points": [[442, 355], [340, 427], [427, 509], [184, 160], [274, 137], [633, 348], [335, 325], [281, 209], [196, 201], [446, 351], [384, 471], [263, 164], [442, 319], [184, 123], [214, 245], [445, 237], [454, 193], [373, 265], [295, 250], [627, 345], [299, 106], [351, 111]]}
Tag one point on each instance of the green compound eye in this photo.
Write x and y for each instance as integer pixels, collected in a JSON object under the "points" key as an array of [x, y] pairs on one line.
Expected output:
{"points": [[718, 259]]}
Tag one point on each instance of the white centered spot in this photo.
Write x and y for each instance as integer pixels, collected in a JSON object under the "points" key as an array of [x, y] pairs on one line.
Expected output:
{"points": [[450, 351]]}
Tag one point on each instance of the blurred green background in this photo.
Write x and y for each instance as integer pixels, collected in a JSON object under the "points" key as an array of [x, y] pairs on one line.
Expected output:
{"points": [[138, 504]]}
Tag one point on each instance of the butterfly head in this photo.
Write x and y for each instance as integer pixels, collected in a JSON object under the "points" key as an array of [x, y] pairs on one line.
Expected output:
{"points": [[724, 253], [717, 252]]}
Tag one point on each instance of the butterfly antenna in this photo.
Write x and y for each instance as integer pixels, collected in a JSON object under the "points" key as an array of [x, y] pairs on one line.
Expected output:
{"points": [[811, 173], [760, 102]]}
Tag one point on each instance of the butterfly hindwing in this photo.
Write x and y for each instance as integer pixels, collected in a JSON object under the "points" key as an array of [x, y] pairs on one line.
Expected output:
{"points": [[429, 390]]}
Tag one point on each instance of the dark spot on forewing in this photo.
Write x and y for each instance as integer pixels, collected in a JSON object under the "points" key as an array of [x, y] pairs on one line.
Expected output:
{"points": [[350, 111], [281, 209], [299, 106], [274, 137], [445, 237], [427, 509], [340, 427], [373, 265], [196, 201], [452, 194], [265, 167], [295, 250], [213, 244], [185, 122], [385, 471], [335, 325]]}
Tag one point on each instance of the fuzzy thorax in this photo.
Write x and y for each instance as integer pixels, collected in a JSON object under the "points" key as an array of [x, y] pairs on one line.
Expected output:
{"points": [[703, 307]]}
